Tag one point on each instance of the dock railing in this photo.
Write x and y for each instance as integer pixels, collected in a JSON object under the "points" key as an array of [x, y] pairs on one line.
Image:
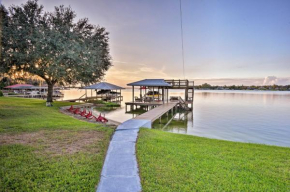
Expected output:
{"points": [[179, 83], [183, 104]]}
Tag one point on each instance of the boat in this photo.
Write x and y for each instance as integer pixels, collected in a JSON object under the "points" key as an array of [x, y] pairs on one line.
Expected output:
{"points": [[151, 94], [103, 92]]}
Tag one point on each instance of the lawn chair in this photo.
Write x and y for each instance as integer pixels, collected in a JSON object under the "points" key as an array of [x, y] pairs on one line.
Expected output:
{"points": [[90, 115], [101, 119], [76, 111], [83, 113], [70, 109]]}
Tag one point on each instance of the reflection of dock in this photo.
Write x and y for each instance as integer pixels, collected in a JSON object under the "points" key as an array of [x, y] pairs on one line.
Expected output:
{"points": [[157, 112]]}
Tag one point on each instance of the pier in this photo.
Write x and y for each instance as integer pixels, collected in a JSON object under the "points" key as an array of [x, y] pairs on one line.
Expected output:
{"points": [[155, 92], [120, 171], [107, 92], [158, 112]]}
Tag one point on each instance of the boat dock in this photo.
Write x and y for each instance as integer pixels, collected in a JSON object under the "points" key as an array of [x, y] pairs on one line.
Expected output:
{"points": [[120, 170], [155, 92], [157, 112]]}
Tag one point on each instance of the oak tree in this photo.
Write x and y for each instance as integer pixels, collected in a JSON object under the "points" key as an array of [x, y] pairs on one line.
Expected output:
{"points": [[52, 46]]}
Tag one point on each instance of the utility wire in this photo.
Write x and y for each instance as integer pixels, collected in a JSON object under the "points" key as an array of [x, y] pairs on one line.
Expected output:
{"points": [[181, 27]]}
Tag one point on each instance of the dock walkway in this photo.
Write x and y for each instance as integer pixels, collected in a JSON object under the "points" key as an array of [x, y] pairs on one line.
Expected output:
{"points": [[157, 112], [120, 170]]}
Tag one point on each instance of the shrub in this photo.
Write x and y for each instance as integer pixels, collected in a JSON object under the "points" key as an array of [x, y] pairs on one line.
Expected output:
{"points": [[1, 94], [11, 93]]}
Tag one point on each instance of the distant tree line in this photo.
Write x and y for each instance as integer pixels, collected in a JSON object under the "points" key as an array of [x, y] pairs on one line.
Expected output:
{"points": [[274, 87]]}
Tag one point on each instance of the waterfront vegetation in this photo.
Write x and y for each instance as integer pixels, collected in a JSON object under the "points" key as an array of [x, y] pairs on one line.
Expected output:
{"points": [[274, 87], [42, 149], [173, 162], [104, 103], [137, 111]]}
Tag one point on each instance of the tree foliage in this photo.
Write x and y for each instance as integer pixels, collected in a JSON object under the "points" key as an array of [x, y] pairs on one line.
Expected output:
{"points": [[53, 46]]}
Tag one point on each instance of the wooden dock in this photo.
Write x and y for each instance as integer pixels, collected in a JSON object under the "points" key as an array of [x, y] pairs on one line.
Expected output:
{"points": [[157, 112]]}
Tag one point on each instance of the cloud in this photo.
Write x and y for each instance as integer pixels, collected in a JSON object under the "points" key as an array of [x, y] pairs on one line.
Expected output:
{"points": [[271, 80], [125, 62], [126, 72]]}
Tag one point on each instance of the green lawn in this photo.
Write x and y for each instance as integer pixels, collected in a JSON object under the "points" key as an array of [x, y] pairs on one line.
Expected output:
{"points": [[42, 149], [173, 162]]}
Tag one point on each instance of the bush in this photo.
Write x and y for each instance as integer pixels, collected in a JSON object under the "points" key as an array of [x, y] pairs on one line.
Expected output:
{"points": [[11, 93], [1, 94], [112, 104]]}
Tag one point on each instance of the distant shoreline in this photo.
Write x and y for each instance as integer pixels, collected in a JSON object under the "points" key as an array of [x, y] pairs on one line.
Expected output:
{"points": [[240, 90]]}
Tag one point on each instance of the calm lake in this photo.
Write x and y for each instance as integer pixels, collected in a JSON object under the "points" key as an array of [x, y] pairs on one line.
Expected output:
{"points": [[244, 116]]}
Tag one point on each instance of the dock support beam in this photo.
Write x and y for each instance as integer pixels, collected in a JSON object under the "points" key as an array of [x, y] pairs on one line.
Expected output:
{"points": [[133, 99], [163, 95]]}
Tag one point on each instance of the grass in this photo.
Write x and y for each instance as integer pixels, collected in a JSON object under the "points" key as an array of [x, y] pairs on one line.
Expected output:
{"points": [[106, 109], [173, 162], [105, 103], [12, 93], [20, 115], [42, 149]]}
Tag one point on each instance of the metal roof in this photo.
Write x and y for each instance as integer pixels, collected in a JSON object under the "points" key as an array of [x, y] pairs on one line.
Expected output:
{"points": [[104, 86], [150, 83], [19, 86]]}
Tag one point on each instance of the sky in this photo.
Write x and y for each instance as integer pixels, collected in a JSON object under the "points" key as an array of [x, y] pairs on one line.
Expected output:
{"points": [[226, 42]]}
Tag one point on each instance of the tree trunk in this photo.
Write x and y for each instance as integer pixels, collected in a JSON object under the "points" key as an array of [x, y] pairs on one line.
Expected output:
{"points": [[49, 94]]}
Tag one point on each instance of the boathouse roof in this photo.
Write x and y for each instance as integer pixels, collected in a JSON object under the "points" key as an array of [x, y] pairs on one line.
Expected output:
{"points": [[151, 83], [19, 86], [103, 86]]}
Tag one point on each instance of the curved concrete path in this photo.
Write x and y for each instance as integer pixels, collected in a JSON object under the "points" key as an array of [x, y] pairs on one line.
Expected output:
{"points": [[120, 169]]}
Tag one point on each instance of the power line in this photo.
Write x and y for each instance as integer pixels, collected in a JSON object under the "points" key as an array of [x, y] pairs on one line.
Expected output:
{"points": [[181, 27]]}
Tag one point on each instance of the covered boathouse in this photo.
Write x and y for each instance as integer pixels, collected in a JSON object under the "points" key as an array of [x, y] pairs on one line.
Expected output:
{"points": [[104, 91], [154, 92]]}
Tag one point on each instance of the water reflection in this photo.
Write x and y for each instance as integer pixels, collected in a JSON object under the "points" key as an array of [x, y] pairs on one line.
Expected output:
{"points": [[246, 116], [258, 117], [175, 123]]}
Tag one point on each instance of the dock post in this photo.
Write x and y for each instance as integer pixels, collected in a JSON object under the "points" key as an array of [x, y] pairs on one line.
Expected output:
{"points": [[186, 91], [163, 95], [160, 120], [133, 94]]}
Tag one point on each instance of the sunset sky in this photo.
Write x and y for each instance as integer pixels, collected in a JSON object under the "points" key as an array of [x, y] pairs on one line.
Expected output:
{"points": [[225, 41]]}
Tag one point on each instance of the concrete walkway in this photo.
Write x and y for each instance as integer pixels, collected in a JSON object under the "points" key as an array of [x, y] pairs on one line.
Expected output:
{"points": [[120, 169]]}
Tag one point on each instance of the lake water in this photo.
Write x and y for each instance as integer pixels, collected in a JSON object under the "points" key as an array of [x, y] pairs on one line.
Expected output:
{"points": [[244, 116]]}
